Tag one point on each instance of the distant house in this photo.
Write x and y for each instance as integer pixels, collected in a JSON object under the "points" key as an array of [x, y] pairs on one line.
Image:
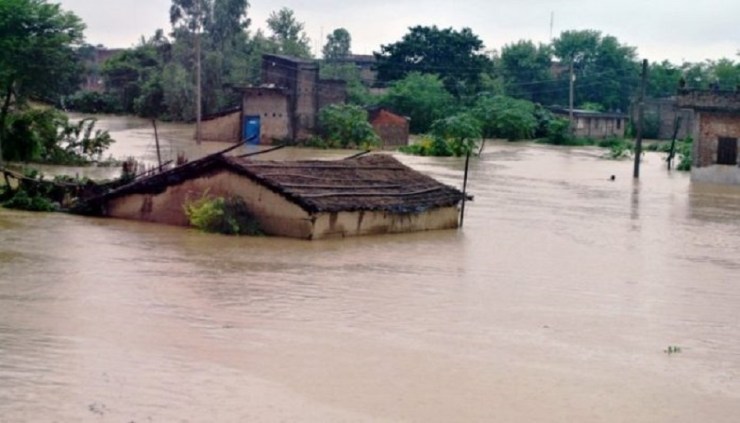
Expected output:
{"points": [[372, 194], [94, 64], [392, 129], [285, 106], [591, 124], [716, 131]]}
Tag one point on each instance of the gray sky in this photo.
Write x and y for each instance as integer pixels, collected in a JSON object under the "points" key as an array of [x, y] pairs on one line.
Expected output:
{"points": [[676, 30]]}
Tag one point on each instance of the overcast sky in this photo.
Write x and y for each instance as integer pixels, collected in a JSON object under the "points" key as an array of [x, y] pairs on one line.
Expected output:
{"points": [[676, 30]]}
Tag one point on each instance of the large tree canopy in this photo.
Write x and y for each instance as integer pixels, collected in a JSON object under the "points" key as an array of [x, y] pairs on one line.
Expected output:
{"points": [[37, 52], [607, 72], [527, 71], [456, 56]]}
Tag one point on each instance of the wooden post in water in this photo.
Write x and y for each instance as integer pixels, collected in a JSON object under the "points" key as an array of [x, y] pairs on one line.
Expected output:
{"points": [[156, 140], [465, 189], [640, 119], [672, 153]]}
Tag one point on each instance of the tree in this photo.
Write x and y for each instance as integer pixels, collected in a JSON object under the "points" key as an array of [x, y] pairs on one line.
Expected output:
{"points": [[338, 45], [345, 125], [664, 79], [38, 42], [456, 56], [526, 69], [422, 97], [229, 22], [607, 72], [506, 117], [288, 34], [461, 132]]}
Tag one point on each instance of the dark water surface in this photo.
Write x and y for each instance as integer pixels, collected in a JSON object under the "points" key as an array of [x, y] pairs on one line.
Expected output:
{"points": [[555, 303]]}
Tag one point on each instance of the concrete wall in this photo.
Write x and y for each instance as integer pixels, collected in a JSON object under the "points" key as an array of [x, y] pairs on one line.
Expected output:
{"points": [[306, 106], [331, 92], [223, 128], [665, 111], [599, 127], [344, 224], [272, 106]]}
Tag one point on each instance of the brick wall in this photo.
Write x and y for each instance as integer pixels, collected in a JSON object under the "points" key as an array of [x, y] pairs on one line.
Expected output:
{"points": [[713, 125]]}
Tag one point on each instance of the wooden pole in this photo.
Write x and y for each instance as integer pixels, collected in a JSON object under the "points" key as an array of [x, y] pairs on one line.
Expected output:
{"points": [[640, 119], [672, 153], [198, 82], [465, 189], [156, 140], [571, 97]]}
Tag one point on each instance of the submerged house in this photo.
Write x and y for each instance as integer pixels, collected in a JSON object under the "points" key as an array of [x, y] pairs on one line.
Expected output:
{"points": [[372, 194], [716, 134], [591, 124]]}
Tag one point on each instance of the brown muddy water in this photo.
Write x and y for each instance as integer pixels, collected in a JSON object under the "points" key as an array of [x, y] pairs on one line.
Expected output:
{"points": [[555, 303]]}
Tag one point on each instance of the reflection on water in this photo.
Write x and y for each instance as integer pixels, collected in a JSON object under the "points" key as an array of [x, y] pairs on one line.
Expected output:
{"points": [[555, 303]]}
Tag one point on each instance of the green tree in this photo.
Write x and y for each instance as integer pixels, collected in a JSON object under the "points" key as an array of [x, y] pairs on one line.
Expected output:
{"points": [[288, 34], [456, 56], [338, 45], [461, 132], [229, 23], [664, 79], [38, 58], [422, 97], [725, 74], [506, 117], [606, 71], [345, 125], [526, 69]]}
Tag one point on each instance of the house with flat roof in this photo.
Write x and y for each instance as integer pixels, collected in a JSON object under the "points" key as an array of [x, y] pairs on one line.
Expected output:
{"points": [[716, 134]]}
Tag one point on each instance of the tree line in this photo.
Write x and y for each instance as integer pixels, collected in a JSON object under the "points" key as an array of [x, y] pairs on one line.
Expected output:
{"points": [[429, 74]]}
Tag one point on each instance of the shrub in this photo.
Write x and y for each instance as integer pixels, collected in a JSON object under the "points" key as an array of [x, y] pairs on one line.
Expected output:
{"points": [[506, 117], [460, 132], [346, 126], [228, 216], [558, 132]]}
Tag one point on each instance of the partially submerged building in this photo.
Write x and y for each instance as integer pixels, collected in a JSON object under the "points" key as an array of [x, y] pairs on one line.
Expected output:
{"points": [[716, 131], [372, 194], [284, 107], [392, 129], [591, 124]]}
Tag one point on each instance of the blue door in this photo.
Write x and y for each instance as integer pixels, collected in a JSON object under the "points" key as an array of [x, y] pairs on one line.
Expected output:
{"points": [[251, 132]]}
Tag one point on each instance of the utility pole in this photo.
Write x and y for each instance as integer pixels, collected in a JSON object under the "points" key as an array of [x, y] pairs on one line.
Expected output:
{"points": [[571, 95], [640, 119], [198, 82]]}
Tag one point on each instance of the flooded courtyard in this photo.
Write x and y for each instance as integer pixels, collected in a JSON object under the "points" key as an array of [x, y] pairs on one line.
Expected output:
{"points": [[556, 302]]}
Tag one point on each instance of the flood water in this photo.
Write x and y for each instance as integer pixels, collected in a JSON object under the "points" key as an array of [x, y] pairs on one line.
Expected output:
{"points": [[554, 303]]}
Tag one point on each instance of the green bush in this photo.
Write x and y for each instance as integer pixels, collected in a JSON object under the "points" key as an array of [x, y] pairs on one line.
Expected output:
{"points": [[346, 126], [461, 132], [92, 102], [228, 216], [558, 132], [429, 146], [685, 155], [506, 117]]}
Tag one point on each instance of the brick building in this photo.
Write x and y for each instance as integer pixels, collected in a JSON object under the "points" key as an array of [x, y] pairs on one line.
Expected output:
{"points": [[285, 106], [663, 112], [392, 129], [716, 131]]}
